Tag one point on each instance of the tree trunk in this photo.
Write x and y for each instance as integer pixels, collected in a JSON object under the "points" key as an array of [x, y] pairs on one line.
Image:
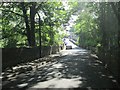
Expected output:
{"points": [[102, 50], [26, 23], [32, 24], [40, 46], [119, 40], [116, 9]]}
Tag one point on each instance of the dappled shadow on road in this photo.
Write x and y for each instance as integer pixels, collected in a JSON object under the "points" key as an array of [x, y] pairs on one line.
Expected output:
{"points": [[74, 69]]}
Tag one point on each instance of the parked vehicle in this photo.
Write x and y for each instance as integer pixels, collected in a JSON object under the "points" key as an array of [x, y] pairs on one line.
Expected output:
{"points": [[68, 46], [67, 43]]}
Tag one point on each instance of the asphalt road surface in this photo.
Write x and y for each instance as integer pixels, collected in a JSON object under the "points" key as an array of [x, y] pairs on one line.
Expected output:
{"points": [[75, 68]]}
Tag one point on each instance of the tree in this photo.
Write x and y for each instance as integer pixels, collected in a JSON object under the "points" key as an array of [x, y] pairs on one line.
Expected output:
{"points": [[20, 23]]}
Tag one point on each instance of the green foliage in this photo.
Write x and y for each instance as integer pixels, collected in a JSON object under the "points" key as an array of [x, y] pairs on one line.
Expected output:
{"points": [[95, 26], [12, 26], [14, 32], [87, 29]]}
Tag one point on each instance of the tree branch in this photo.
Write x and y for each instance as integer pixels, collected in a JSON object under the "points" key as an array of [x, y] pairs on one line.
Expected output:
{"points": [[12, 12]]}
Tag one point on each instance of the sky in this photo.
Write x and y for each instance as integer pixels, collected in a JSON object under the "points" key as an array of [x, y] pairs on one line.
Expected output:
{"points": [[72, 18]]}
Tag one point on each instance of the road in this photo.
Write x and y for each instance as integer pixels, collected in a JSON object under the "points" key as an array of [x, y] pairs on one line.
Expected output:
{"points": [[75, 68]]}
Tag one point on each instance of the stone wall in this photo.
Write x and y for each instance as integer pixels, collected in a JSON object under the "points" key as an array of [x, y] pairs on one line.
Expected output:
{"points": [[14, 56]]}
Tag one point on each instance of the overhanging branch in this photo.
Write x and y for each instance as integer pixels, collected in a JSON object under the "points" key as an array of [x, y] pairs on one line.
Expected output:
{"points": [[12, 12]]}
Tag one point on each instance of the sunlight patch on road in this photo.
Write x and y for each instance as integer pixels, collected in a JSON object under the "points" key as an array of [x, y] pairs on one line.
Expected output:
{"points": [[74, 52], [59, 65], [0, 77], [59, 83], [22, 85]]}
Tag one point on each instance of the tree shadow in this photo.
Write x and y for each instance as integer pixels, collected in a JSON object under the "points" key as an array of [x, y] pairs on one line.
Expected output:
{"points": [[77, 69]]}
